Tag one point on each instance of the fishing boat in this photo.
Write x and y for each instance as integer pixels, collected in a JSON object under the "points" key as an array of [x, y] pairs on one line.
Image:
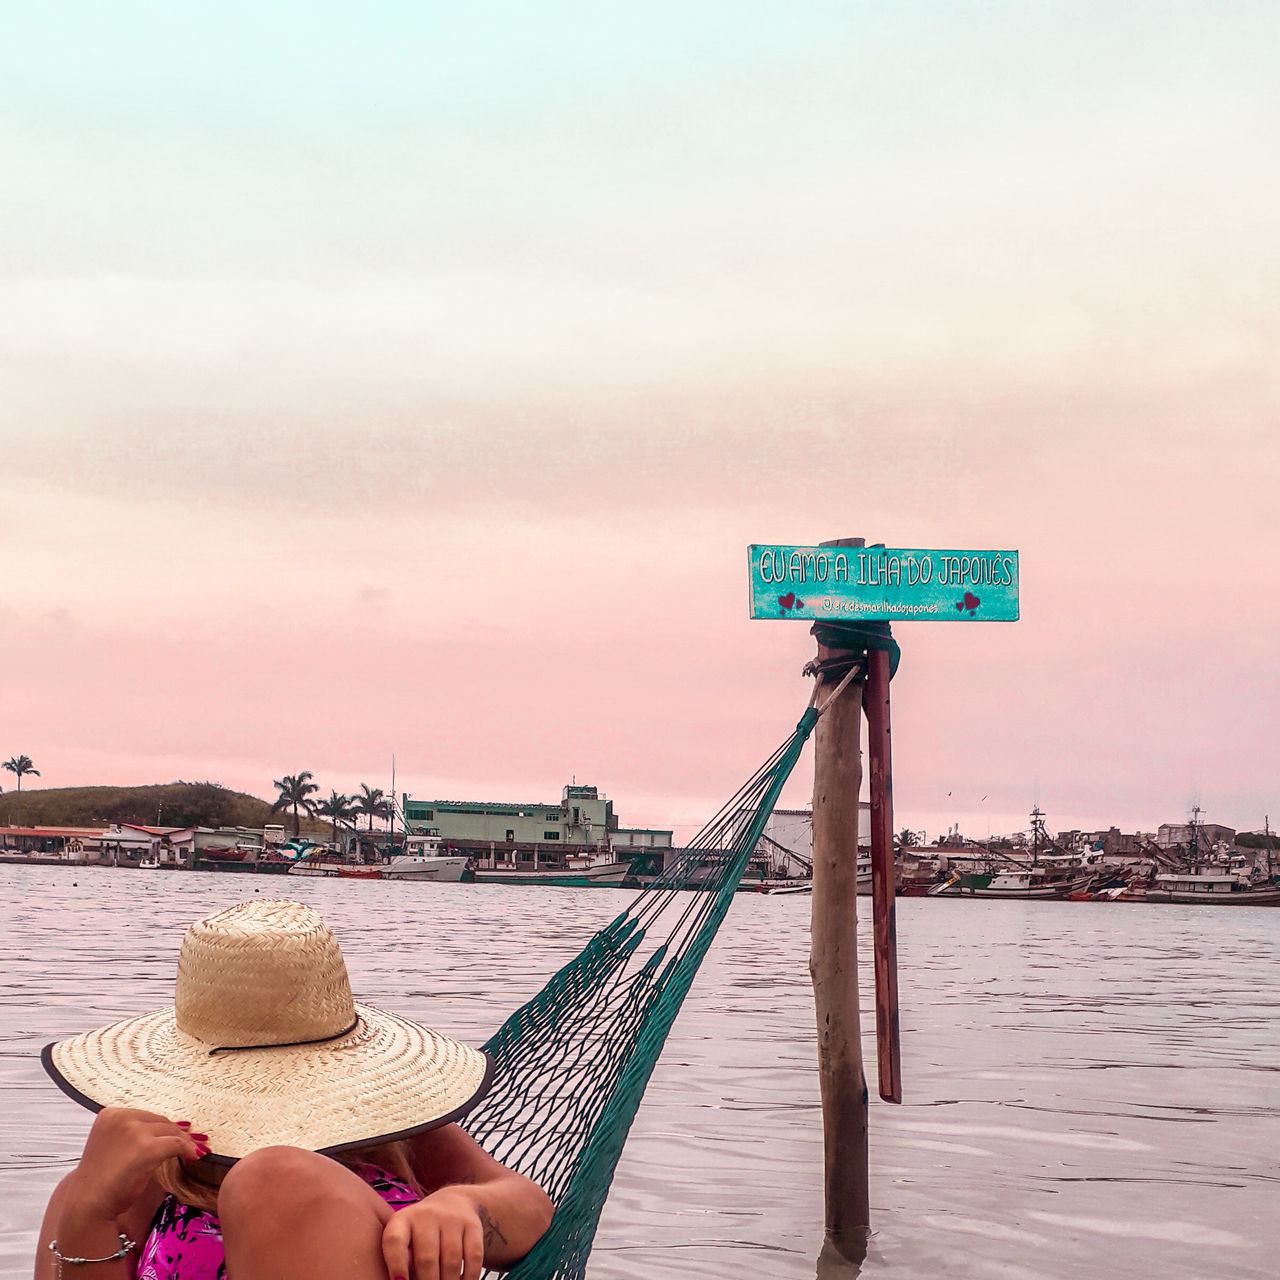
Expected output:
{"points": [[1204, 883], [607, 874], [1013, 882], [317, 861], [1047, 874], [917, 872], [423, 859], [224, 853], [1213, 888], [864, 875], [308, 859], [804, 884], [238, 857]]}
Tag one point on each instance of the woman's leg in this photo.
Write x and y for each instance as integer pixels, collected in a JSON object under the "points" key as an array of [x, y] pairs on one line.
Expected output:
{"points": [[289, 1214]]}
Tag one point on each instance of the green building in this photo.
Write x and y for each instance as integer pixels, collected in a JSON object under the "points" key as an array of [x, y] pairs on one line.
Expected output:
{"points": [[582, 824]]}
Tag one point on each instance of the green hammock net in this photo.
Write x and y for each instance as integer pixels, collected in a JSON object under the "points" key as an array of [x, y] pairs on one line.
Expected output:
{"points": [[572, 1064]]}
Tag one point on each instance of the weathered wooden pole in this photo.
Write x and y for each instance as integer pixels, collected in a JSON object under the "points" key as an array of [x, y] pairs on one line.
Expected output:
{"points": [[875, 697], [833, 955]]}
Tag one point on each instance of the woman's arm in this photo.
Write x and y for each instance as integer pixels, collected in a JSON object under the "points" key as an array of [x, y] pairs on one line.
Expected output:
{"points": [[82, 1235], [110, 1193], [496, 1214]]}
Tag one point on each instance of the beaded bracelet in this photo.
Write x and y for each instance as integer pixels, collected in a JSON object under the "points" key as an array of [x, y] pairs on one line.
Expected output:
{"points": [[125, 1245]]}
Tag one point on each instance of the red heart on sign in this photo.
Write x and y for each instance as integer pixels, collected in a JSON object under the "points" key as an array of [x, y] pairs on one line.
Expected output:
{"points": [[971, 602], [788, 600]]}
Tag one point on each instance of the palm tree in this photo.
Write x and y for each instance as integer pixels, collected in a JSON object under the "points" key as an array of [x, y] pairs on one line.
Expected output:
{"points": [[373, 803], [21, 765], [907, 838], [337, 808], [295, 793]]}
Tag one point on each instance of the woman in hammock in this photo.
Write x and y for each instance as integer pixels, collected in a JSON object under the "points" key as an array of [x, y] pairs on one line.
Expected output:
{"points": [[269, 1126]]}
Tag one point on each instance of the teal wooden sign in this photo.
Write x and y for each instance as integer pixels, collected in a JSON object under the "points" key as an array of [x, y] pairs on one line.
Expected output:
{"points": [[844, 584]]}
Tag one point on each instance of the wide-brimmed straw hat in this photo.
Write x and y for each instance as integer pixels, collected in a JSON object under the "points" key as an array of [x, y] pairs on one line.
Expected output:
{"points": [[265, 1046]]}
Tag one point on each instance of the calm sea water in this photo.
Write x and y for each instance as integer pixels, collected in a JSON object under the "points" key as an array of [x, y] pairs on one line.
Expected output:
{"points": [[1092, 1089]]}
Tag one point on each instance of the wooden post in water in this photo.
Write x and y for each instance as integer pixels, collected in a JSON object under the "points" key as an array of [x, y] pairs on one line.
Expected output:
{"points": [[833, 958], [875, 698]]}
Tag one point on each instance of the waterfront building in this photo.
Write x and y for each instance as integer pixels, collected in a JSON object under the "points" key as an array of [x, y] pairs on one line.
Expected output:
{"points": [[39, 843], [548, 834], [1112, 841], [792, 830], [1178, 835], [126, 843], [120, 844]]}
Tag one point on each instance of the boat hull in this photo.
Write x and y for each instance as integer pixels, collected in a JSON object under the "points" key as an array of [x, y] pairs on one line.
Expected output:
{"points": [[981, 886], [447, 870], [1266, 896], [609, 876]]}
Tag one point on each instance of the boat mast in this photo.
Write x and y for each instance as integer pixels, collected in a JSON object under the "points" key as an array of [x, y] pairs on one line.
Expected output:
{"points": [[1037, 833], [1193, 848]]}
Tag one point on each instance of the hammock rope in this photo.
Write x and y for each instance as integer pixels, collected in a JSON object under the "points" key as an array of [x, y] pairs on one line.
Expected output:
{"points": [[571, 1065]]}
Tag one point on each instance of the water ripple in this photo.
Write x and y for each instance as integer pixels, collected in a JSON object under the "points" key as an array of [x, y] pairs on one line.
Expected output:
{"points": [[1088, 1091]]}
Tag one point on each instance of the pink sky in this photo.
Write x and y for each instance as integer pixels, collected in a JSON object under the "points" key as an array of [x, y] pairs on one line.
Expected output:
{"points": [[326, 438]]}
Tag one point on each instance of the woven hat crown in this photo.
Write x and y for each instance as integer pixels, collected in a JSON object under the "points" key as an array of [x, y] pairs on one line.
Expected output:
{"points": [[262, 973]]}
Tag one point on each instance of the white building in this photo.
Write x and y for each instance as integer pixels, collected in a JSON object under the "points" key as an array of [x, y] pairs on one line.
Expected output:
{"points": [[791, 830]]}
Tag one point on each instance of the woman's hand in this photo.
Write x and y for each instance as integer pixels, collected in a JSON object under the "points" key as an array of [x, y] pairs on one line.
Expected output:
{"points": [[123, 1150], [439, 1238]]}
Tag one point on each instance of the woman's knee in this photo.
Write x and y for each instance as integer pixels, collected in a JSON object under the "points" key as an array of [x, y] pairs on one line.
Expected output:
{"points": [[279, 1182]]}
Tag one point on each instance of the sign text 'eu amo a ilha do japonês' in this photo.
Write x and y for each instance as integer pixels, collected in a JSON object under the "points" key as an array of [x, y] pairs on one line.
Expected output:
{"points": [[876, 584]]}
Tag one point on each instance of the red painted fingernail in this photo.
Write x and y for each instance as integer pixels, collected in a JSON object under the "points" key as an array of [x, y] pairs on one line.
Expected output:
{"points": [[201, 1150], [183, 1124], [200, 1137]]}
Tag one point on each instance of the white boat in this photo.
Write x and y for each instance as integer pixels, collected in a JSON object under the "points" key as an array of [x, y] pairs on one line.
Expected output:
{"points": [[1214, 888], [865, 876], [422, 860], [148, 862], [309, 859], [804, 884]]}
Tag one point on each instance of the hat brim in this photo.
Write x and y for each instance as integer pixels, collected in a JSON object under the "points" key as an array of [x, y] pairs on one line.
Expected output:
{"points": [[384, 1080]]}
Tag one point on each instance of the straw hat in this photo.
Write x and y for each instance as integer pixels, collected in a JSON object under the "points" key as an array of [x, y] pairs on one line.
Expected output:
{"points": [[265, 1046]]}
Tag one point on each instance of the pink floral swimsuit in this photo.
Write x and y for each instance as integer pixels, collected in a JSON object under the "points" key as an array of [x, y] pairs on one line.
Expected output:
{"points": [[186, 1243]]}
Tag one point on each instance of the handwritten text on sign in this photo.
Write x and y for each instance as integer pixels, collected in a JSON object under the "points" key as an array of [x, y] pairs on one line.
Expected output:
{"points": [[873, 583]]}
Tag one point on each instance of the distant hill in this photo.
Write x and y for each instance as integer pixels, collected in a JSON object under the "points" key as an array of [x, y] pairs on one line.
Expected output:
{"points": [[173, 804]]}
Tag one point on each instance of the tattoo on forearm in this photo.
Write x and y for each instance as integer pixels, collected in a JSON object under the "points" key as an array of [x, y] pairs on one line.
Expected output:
{"points": [[492, 1232]]}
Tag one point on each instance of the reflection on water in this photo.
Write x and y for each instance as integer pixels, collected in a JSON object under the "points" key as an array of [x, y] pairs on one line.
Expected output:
{"points": [[842, 1259], [1091, 1088]]}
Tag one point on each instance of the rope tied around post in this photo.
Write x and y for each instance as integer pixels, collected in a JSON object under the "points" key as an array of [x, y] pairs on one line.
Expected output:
{"points": [[845, 646]]}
